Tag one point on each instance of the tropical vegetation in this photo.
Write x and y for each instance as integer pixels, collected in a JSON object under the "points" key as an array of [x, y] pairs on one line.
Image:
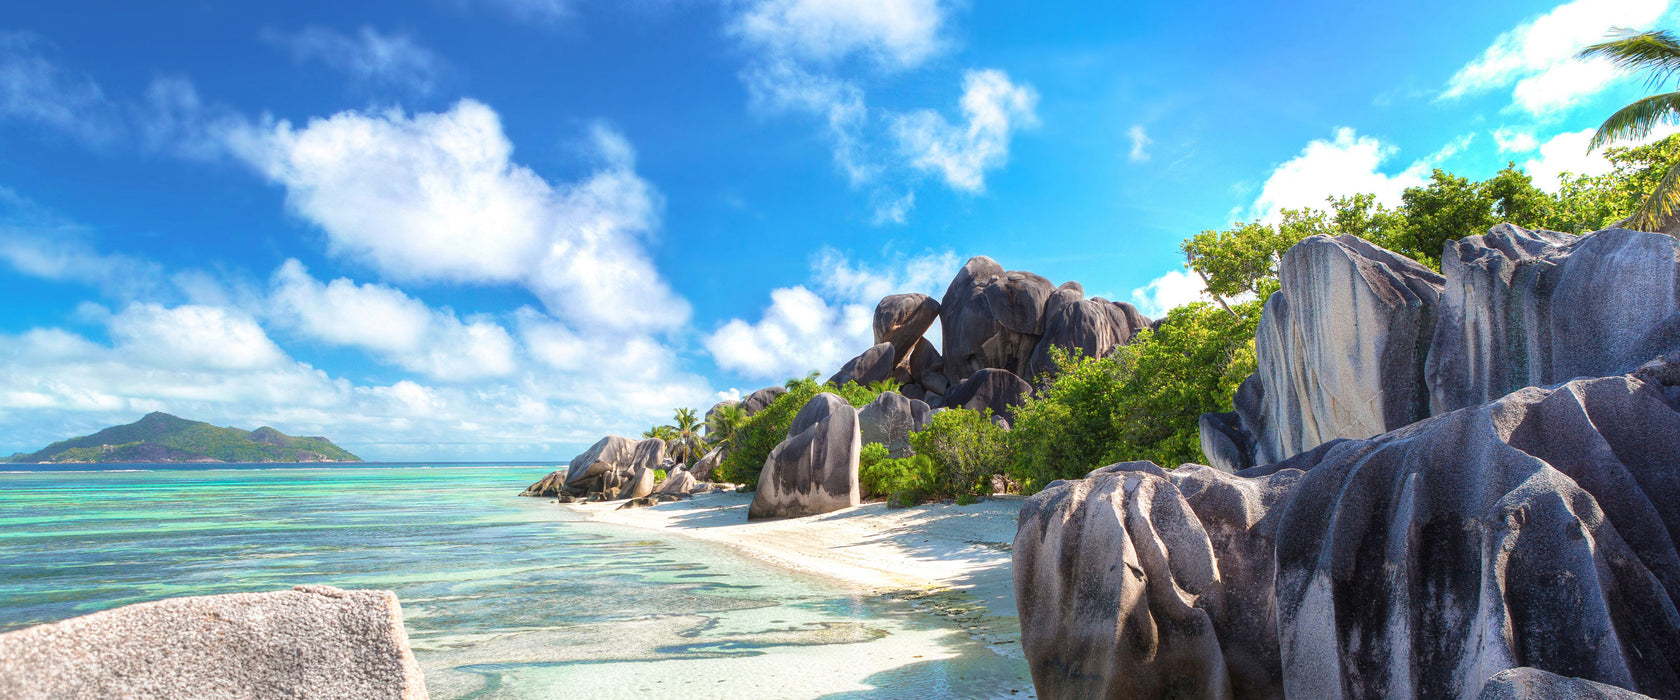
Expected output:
{"points": [[160, 437]]}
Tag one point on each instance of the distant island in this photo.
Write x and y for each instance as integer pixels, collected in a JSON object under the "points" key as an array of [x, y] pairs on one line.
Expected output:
{"points": [[160, 437]]}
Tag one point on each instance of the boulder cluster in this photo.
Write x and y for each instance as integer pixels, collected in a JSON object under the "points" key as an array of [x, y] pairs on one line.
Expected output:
{"points": [[997, 331], [1461, 485]]}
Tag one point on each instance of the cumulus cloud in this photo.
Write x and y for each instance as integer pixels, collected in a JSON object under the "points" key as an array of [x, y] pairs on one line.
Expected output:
{"points": [[895, 33], [370, 58], [437, 197], [397, 328], [1346, 165], [194, 336], [821, 325], [995, 108], [1514, 141], [1140, 141], [1567, 153], [1537, 57], [1176, 288]]}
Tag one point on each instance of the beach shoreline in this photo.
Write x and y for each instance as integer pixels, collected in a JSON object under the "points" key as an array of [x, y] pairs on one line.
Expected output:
{"points": [[949, 560]]}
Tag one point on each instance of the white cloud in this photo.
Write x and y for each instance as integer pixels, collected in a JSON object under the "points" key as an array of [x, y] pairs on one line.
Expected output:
{"points": [[436, 197], [894, 210], [35, 89], [398, 328], [782, 86], [895, 33], [1514, 141], [1140, 141], [1567, 153], [1538, 55], [1176, 288], [370, 57], [194, 336], [1347, 165], [995, 108], [821, 326]]}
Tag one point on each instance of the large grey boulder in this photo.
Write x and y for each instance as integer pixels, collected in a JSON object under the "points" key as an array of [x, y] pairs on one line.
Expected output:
{"points": [[609, 454], [308, 642], [815, 470], [991, 318], [649, 454], [902, 319], [679, 482], [1093, 327], [640, 484], [551, 485], [757, 400], [1538, 530], [875, 364], [995, 389], [1534, 684], [702, 469], [1340, 348], [890, 419], [1531, 308]]}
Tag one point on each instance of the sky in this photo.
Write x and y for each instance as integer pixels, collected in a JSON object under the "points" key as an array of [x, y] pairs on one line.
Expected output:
{"points": [[500, 229]]}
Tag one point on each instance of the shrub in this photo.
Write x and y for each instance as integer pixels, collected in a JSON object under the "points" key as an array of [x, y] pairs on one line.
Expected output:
{"points": [[967, 448], [758, 434], [659, 475], [914, 477]]}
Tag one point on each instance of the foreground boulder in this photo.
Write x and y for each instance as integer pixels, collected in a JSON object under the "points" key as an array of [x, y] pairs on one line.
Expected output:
{"points": [[815, 470], [308, 642], [1531, 308], [1538, 530], [1535, 684]]}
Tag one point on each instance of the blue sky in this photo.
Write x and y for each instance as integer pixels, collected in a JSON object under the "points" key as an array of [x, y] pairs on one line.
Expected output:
{"points": [[498, 229]]}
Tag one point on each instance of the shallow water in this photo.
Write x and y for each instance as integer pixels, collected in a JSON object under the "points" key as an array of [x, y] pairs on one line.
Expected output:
{"points": [[503, 597]]}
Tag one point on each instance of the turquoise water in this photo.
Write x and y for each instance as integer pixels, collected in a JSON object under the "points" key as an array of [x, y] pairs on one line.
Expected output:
{"points": [[503, 597]]}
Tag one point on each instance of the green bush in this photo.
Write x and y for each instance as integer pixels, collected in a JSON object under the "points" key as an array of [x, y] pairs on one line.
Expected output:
{"points": [[967, 448], [915, 476], [758, 434], [659, 475]]}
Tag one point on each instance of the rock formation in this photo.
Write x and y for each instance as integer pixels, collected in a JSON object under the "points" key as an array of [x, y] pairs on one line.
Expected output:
{"points": [[1092, 326], [614, 467], [901, 319], [757, 400], [1535, 684], [547, 486], [308, 642], [1538, 530], [815, 470], [677, 483], [1531, 308], [875, 364], [890, 419], [702, 469], [991, 318], [994, 389]]}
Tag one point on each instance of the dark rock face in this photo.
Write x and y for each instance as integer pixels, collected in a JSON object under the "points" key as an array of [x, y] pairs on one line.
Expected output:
{"points": [[1534, 684], [815, 470], [1092, 326], [901, 319], [607, 455], [875, 364], [308, 642], [991, 318], [547, 486], [1531, 308], [890, 419], [995, 389], [1341, 348], [1226, 445], [757, 400], [1538, 530]]}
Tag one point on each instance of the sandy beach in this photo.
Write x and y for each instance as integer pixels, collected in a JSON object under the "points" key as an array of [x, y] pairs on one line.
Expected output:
{"points": [[953, 560]]}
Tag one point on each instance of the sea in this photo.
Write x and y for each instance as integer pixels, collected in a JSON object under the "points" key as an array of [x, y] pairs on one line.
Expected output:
{"points": [[503, 596]]}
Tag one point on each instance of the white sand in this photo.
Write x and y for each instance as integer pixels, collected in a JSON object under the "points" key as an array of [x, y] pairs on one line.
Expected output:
{"points": [[911, 551]]}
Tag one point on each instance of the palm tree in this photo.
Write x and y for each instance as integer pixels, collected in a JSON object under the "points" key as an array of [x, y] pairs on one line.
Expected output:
{"points": [[724, 424], [687, 434], [1657, 52]]}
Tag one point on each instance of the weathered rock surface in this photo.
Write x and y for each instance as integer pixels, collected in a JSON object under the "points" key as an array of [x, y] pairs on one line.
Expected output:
{"points": [[649, 454], [547, 486], [679, 482], [1092, 326], [991, 318], [1534, 684], [996, 389], [757, 400], [640, 484], [890, 419], [901, 319], [702, 469], [609, 454], [1538, 530], [1532, 308], [308, 642], [815, 470], [875, 364], [1341, 348]]}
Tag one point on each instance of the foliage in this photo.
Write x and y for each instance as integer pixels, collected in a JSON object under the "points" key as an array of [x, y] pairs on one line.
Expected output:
{"points": [[966, 448], [663, 432], [753, 439], [1590, 203], [163, 437], [915, 477], [686, 435], [1141, 402], [1658, 53], [723, 425], [659, 475]]}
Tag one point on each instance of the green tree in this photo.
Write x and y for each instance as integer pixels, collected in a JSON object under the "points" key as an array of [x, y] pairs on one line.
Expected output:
{"points": [[686, 435], [1656, 53], [724, 424], [967, 448], [1241, 260]]}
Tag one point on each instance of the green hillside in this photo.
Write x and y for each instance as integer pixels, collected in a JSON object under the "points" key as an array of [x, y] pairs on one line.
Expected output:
{"points": [[160, 437]]}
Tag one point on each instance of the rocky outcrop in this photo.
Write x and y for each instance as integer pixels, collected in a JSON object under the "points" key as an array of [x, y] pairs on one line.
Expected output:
{"points": [[1538, 530], [609, 454], [1532, 308], [1534, 684], [994, 389], [991, 318], [875, 364], [815, 470], [640, 483], [612, 468], [548, 486], [649, 454], [890, 419], [1093, 327], [679, 483], [308, 642], [757, 400], [702, 469], [901, 319], [1340, 349]]}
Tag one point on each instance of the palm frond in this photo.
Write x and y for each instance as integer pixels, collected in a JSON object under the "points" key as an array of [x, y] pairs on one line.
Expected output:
{"points": [[1636, 120], [1656, 51], [1661, 211]]}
